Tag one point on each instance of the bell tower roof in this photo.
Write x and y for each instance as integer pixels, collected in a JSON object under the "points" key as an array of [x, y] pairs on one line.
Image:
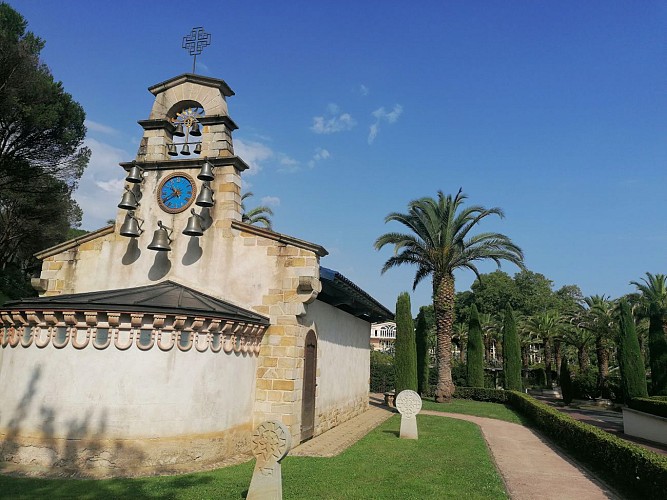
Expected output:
{"points": [[205, 81]]}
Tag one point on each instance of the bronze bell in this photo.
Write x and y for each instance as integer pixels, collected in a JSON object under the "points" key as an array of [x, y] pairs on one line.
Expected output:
{"points": [[206, 172], [130, 227], [193, 227], [197, 148], [179, 131], [186, 150], [161, 239], [171, 150], [135, 175], [194, 130], [129, 201], [205, 197]]}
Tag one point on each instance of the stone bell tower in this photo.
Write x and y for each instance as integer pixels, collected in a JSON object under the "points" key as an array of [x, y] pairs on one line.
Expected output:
{"points": [[187, 138]]}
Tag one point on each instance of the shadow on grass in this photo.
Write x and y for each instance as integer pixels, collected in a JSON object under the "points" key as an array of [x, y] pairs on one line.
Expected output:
{"points": [[395, 433]]}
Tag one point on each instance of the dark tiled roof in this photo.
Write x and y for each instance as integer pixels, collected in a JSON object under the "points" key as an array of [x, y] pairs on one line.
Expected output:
{"points": [[342, 293], [166, 297]]}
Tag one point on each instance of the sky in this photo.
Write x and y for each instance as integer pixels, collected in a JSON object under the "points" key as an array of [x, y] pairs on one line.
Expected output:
{"points": [[348, 110]]}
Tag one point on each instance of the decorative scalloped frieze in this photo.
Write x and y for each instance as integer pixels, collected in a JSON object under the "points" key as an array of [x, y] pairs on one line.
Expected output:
{"points": [[100, 329]]}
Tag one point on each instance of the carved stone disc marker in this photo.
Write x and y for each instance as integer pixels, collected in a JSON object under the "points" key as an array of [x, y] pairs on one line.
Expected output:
{"points": [[271, 442], [409, 404]]}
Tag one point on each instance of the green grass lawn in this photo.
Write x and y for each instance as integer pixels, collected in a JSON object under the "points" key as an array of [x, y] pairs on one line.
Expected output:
{"points": [[477, 408], [450, 460]]}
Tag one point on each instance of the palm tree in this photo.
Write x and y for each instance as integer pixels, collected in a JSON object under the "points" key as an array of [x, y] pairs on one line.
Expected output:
{"points": [[654, 306], [548, 326], [580, 339], [439, 243], [257, 216]]}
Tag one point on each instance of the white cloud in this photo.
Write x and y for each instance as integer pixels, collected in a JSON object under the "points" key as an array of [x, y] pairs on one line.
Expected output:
{"points": [[253, 153], [320, 154], [101, 185], [363, 90], [333, 121], [381, 115], [271, 201], [100, 127]]}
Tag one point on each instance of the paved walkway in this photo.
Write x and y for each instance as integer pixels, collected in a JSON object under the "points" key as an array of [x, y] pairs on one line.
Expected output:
{"points": [[530, 467]]}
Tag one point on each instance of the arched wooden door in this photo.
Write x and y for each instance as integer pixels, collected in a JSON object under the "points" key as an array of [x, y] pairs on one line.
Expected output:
{"points": [[309, 386]]}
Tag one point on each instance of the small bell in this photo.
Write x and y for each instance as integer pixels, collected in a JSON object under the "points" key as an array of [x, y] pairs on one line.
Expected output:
{"points": [[135, 175], [186, 150], [206, 172], [128, 201], [194, 130], [205, 197], [193, 227], [171, 150], [179, 131], [197, 150], [130, 227], [161, 239]]}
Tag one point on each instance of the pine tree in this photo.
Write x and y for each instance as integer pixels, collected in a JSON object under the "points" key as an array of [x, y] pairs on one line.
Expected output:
{"points": [[511, 352], [633, 375], [565, 381], [475, 356], [421, 334], [405, 357]]}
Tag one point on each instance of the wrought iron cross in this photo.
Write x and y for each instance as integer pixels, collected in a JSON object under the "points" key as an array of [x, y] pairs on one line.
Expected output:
{"points": [[195, 42]]}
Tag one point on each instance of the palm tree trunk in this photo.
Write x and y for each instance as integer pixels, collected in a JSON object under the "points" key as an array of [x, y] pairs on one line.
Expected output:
{"points": [[558, 358], [443, 304], [547, 360], [584, 360], [603, 364]]}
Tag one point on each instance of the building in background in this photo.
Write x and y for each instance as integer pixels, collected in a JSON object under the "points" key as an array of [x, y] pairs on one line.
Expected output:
{"points": [[383, 336]]}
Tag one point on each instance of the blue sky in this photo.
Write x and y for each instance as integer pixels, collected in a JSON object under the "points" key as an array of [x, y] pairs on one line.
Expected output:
{"points": [[347, 110]]}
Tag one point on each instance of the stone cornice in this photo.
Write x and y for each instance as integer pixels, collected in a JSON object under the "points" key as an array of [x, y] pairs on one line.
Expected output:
{"points": [[280, 238], [237, 162], [100, 329], [206, 81], [67, 245]]}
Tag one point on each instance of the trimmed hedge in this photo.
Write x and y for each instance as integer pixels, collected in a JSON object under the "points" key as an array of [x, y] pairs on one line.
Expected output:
{"points": [[654, 406], [481, 394], [636, 471]]}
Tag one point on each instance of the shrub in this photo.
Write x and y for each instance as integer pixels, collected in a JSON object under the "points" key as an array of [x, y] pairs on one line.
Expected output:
{"points": [[633, 375], [511, 353], [421, 339], [565, 382], [654, 406], [459, 374], [539, 376], [383, 376], [405, 348], [475, 355], [636, 471], [585, 384], [480, 394]]}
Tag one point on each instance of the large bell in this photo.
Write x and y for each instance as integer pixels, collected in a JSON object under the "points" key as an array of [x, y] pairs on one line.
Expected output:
{"points": [[197, 149], [128, 201], [194, 130], [193, 227], [179, 130], [206, 172], [186, 150], [130, 227], [136, 175], [171, 150], [205, 197], [161, 239]]}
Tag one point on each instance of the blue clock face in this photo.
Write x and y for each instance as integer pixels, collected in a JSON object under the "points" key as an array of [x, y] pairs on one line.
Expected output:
{"points": [[176, 193]]}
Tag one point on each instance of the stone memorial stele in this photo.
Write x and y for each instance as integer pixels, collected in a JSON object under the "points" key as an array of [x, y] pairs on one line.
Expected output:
{"points": [[271, 442], [408, 403]]}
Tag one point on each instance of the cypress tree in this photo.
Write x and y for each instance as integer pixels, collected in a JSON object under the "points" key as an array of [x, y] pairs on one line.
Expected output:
{"points": [[405, 357], [511, 352], [565, 382], [475, 355], [633, 375], [421, 334]]}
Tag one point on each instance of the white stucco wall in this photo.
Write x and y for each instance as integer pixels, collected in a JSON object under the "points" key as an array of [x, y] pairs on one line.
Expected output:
{"points": [[70, 393], [343, 356]]}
